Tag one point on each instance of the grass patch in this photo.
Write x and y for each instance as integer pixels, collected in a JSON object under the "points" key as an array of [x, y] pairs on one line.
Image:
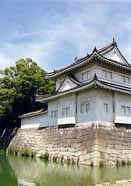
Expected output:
{"points": [[123, 162], [45, 156], [91, 164], [117, 163], [27, 153], [129, 162]]}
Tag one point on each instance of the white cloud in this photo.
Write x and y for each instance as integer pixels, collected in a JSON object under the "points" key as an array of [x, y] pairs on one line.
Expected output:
{"points": [[12, 52], [88, 24], [5, 61]]}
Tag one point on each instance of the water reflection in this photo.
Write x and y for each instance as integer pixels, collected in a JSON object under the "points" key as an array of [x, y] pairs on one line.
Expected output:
{"points": [[25, 183], [30, 172], [7, 175]]}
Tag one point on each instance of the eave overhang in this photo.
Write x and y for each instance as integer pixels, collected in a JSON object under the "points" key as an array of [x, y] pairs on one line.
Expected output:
{"points": [[94, 57], [94, 83], [69, 68], [35, 113], [112, 62]]}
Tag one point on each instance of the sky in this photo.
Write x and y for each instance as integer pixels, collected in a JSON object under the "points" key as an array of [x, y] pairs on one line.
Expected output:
{"points": [[54, 32]]}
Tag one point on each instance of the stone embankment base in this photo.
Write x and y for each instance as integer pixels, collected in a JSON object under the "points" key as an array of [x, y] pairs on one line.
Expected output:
{"points": [[95, 145]]}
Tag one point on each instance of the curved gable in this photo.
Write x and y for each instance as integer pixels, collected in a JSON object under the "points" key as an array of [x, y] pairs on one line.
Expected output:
{"points": [[67, 84], [115, 55]]}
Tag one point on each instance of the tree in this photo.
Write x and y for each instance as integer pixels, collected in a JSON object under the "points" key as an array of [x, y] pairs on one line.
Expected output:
{"points": [[19, 86]]}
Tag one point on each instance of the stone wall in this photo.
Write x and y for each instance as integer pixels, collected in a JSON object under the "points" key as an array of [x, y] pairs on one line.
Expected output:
{"points": [[113, 145], [95, 145]]}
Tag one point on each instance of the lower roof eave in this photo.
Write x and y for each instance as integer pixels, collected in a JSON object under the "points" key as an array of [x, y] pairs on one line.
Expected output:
{"points": [[92, 84], [35, 113], [77, 89]]}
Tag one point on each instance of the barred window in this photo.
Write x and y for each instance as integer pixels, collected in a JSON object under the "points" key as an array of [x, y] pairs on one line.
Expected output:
{"points": [[126, 79], [54, 113], [106, 107], [123, 110], [126, 110], [85, 75], [84, 107], [66, 111], [107, 74], [87, 107]]}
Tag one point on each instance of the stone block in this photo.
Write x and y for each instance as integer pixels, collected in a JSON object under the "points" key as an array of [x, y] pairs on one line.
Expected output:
{"points": [[89, 144]]}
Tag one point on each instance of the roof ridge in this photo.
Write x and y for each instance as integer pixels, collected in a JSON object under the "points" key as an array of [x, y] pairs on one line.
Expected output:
{"points": [[95, 52], [108, 47]]}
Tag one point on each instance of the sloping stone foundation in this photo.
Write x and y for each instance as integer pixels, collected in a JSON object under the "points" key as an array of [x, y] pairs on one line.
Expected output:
{"points": [[95, 145]]}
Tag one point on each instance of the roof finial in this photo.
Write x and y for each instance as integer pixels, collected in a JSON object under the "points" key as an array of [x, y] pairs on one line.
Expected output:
{"points": [[114, 41], [75, 59], [95, 77], [95, 49]]}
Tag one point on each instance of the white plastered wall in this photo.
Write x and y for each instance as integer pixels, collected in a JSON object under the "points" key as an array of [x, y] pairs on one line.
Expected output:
{"points": [[67, 101], [96, 98], [88, 96], [116, 76], [52, 106], [58, 104], [35, 121], [121, 100], [91, 72], [104, 97], [96, 113]]}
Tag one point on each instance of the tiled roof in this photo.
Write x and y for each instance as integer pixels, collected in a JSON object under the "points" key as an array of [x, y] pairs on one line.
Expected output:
{"points": [[88, 58], [35, 113], [94, 83]]}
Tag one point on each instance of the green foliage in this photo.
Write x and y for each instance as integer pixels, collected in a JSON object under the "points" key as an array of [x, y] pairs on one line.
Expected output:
{"points": [[101, 163], [27, 153], [128, 162], [123, 163], [117, 163], [19, 86]]}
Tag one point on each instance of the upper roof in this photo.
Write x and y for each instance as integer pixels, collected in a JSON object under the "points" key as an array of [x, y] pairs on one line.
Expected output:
{"points": [[109, 54]]}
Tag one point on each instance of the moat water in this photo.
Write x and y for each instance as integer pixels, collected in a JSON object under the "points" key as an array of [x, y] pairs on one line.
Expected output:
{"points": [[19, 171]]}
